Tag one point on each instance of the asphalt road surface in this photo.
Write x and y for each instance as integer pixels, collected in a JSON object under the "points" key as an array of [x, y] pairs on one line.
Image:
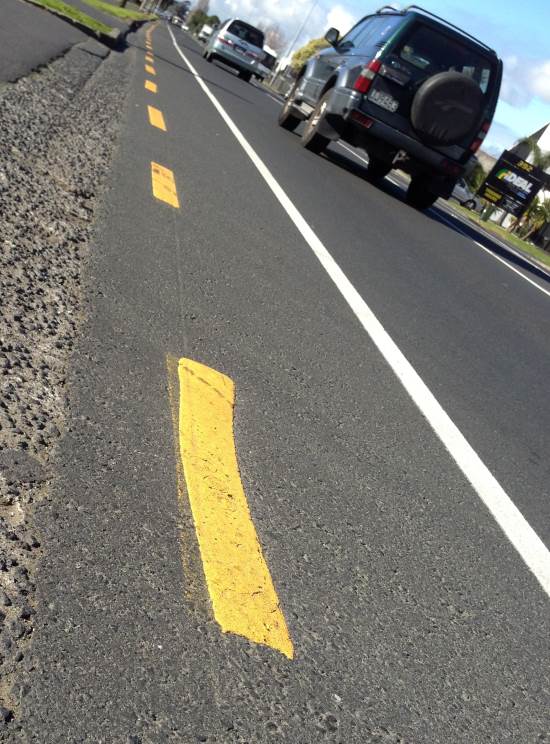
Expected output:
{"points": [[414, 615], [31, 37]]}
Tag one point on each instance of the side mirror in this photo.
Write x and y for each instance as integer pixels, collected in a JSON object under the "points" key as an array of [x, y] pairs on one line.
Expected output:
{"points": [[332, 36]]}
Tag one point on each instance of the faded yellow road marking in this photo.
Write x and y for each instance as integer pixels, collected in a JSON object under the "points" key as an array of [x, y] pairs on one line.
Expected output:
{"points": [[150, 85], [238, 579], [164, 185], [156, 119], [149, 58], [150, 70]]}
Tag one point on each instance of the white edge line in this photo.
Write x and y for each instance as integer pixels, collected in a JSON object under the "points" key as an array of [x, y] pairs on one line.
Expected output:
{"points": [[493, 255], [512, 522]]}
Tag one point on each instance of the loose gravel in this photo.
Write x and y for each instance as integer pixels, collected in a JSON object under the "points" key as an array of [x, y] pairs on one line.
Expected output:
{"points": [[59, 128]]}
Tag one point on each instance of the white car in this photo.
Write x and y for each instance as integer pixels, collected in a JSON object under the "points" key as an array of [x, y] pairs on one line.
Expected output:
{"points": [[205, 33], [465, 196]]}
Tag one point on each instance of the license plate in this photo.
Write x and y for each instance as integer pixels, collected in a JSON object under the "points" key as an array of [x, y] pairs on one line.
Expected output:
{"points": [[240, 49], [384, 100]]}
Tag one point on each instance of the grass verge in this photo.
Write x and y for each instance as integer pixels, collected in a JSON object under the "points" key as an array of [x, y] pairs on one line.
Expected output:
{"points": [[126, 14], [506, 237], [73, 14]]}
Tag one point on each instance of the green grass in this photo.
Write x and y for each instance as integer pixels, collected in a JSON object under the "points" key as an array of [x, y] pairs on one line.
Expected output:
{"points": [[507, 237], [124, 13], [73, 14]]}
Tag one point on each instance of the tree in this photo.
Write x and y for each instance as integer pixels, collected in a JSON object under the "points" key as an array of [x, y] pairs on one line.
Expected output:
{"points": [[476, 177], [199, 15], [274, 37], [537, 217], [300, 57], [539, 158]]}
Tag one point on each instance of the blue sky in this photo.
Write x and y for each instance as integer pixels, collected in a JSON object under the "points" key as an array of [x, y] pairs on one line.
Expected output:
{"points": [[518, 30]]}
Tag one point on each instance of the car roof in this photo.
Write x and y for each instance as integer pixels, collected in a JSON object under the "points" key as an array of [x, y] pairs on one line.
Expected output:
{"points": [[437, 22]]}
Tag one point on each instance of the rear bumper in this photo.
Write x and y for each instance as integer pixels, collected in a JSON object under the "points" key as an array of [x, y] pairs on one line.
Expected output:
{"points": [[345, 101], [234, 60]]}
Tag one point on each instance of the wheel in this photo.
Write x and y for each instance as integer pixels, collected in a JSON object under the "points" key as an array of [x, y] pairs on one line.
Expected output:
{"points": [[244, 75], [469, 204], [287, 119], [311, 138], [377, 169], [419, 195]]}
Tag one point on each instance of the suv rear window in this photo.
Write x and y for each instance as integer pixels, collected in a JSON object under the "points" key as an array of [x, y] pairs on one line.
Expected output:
{"points": [[247, 33], [431, 52]]}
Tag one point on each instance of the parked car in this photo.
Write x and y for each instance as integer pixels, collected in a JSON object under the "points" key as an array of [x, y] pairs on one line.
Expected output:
{"points": [[465, 196], [237, 44], [265, 66], [412, 90], [205, 33]]}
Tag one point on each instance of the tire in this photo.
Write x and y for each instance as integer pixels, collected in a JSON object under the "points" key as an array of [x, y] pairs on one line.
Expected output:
{"points": [[312, 140], [287, 120], [377, 169], [447, 108], [207, 56], [419, 194], [245, 75], [469, 204]]}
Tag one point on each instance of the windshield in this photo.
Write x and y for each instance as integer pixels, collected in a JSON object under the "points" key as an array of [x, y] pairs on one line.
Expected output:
{"points": [[247, 33], [431, 52]]}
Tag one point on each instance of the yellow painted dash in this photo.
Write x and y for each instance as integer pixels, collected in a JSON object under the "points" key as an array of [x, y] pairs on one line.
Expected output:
{"points": [[164, 185], [150, 70], [156, 119], [149, 58], [150, 85], [243, 597]]}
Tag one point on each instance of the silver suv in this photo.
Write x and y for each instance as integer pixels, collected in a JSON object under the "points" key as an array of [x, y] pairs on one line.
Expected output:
{"points": [[415, 92], [237, 44]]}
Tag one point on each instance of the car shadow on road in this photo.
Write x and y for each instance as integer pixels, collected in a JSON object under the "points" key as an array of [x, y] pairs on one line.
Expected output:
{"points": [[441, 216], [360, 171]]}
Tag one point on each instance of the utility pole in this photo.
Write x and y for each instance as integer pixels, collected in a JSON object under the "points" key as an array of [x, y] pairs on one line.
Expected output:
{"points": [[296, 37]]}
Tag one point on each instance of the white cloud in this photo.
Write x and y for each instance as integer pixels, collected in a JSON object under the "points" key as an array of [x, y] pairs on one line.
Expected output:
{"points": [[524, 80], [289, 15], [540, 81], [338, 17]]}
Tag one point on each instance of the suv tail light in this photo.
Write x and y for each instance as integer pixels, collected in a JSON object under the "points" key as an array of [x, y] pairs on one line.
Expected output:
{"points": [[367, 75], [476, 144], [226, 41]]}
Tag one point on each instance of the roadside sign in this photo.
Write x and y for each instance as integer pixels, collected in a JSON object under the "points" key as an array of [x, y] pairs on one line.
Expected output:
{"points": [[512, 184]]}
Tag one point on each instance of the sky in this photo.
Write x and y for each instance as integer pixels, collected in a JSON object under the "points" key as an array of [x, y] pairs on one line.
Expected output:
{"points": [[518, 31]]}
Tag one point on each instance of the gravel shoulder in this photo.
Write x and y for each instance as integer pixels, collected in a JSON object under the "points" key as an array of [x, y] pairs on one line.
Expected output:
{"points": [[59, 132]]}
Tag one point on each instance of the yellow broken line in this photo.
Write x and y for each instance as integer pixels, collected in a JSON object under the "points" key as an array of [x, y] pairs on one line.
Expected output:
{"points": [[243, 597], [149, 58], [164, 185], [150, 70], [156, 119], [150, 85]]}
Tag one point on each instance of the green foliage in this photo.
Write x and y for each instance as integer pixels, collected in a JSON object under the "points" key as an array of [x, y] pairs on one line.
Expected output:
{"points": [[198, 18], [300, 57], [73, 14], [536, 217], [476, 177], [115, 10]]}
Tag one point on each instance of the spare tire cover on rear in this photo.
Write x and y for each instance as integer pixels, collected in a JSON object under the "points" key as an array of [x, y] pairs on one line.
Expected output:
{"points": [[446, 108]]}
